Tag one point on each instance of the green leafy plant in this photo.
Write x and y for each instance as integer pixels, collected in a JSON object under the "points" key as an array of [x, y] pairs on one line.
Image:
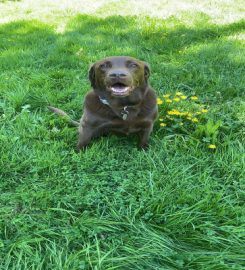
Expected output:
{"points": [[186, 114], [208, 132]]}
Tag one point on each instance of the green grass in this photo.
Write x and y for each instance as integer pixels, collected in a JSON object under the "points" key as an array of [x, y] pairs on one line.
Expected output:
{"points": [[176, 206]]}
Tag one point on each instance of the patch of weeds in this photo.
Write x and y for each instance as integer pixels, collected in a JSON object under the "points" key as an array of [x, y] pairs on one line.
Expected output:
{"points": [[179, 113]]}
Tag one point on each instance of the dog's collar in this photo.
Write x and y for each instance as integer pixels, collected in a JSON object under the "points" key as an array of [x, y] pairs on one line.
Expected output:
{"points": [[104, 101], [124, 112]]}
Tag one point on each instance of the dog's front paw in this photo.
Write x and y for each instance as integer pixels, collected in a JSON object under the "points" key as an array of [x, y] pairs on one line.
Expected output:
{"points": [[77, 149], [143, 146], [80, 147]]}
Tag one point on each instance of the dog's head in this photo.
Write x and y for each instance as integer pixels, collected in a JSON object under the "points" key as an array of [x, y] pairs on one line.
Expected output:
{"points": [[119, 76]]}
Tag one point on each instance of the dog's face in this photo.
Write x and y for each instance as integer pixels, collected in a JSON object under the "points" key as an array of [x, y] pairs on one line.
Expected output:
{"points": [[119, 76]]}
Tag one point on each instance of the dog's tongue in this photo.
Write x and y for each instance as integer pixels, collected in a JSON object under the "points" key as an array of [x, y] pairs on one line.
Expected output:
{"points": [[119, 89]]}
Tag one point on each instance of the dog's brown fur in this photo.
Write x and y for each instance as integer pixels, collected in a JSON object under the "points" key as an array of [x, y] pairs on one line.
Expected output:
{"points": [[122, 83]]}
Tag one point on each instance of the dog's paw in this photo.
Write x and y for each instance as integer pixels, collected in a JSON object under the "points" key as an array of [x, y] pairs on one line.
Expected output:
{"points": [[80, 147], [143, 146], [77, 149]]}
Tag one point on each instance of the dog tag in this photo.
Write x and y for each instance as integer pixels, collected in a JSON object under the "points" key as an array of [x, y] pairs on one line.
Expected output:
{"points": [[124, 116], [124, 113]]}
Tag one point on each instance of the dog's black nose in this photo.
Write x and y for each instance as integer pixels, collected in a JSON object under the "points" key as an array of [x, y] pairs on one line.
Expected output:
{"points": [[117, 75]]}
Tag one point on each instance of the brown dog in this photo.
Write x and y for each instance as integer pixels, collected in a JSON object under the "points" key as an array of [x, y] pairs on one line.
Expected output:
{"points": [[121, 101]]}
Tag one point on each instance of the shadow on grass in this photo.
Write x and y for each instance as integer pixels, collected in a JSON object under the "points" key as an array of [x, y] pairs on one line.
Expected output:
{"points": [[194, 58]]}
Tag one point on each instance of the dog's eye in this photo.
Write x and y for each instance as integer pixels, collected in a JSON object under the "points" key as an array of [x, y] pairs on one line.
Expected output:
{"points": [[133, 65], [104, 65]]}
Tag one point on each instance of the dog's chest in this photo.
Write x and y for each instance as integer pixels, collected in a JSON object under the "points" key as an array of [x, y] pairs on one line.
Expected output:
{"points": [[124, 127]]}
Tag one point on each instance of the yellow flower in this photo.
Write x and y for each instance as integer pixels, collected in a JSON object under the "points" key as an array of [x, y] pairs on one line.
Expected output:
{"points": [[168, 100], [204, 110], [183, 97], [160, 119], [212, 146], [177, 113], [194, 120], [189, 114], [166, 96], [176, 99], [179, 94], [194, 98], [174, 112], [189, 118], [162, 124], [198, 113], [159, 101]]}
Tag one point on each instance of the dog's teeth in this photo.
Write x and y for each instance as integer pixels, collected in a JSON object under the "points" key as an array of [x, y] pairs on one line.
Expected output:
{"points": [[119, 89]]}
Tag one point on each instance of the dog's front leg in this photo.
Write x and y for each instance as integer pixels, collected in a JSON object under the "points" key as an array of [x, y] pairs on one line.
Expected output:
{"points": [[86, 132], [145, 135]]}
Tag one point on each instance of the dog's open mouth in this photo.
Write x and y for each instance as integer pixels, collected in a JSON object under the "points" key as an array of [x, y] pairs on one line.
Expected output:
{"points": [[119, 89]]}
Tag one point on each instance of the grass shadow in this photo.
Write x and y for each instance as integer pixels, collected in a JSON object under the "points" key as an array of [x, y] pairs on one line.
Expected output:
{"points": [[194, 56]]}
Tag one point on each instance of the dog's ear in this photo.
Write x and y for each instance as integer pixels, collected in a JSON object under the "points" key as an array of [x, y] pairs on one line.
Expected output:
{"points": [[147, 71], [91, 75]]}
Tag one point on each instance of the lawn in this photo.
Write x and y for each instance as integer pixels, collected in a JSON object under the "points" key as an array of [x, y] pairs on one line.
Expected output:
{"points": [[179, 205]]}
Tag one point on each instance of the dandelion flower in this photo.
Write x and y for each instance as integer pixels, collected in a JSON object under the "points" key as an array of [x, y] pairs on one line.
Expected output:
{"points": [[171, 112], [194, 120], [162, 124], [194, 98], [176, 99], [204, 110], [168, 100], [174, 112], [179, 94], [212, 146], [159, 101], [166, 96], [183, 97], [177, 112]]}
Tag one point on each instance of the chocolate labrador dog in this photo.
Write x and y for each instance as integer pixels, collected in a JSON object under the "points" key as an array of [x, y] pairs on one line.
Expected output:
{"points": [[121, 101]]}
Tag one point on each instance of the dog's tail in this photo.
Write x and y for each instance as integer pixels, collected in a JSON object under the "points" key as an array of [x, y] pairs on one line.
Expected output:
{"points": [[63, 114]]}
